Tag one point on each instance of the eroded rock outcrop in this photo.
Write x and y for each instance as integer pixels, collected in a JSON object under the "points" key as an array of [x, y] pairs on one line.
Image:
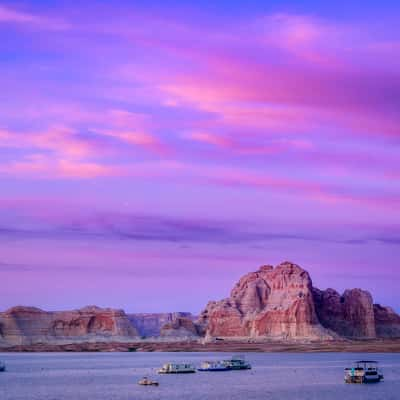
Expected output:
{"points": [[150, 324], [387, 322], [27, 325], [275, 303], [350, 314], [180, 327]]}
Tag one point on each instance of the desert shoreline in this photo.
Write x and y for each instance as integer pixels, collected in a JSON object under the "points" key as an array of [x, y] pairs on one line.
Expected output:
{"points": [[348, 346]]}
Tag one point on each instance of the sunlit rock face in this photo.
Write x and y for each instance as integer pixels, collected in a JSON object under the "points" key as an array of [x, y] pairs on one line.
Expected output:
{"points": [[274, 303], [281, 303]]}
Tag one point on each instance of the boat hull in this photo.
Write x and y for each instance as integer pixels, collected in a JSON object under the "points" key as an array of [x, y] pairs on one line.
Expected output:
{"points": [[363, 379], [213, 369], [176, 372]]}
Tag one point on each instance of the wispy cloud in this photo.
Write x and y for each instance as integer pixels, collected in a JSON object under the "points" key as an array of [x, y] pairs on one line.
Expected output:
{"points": [[27, 19]]}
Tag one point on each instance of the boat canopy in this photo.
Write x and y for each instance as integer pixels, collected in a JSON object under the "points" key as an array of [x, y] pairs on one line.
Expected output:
{"points": [[367, 362]]}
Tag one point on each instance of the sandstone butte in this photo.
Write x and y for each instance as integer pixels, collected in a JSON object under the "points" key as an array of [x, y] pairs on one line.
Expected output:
{"points": [[278, 304]]}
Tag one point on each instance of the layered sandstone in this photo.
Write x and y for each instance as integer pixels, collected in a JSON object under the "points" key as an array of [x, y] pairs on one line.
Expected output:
{"points": [[27, 325], [274, 303]]}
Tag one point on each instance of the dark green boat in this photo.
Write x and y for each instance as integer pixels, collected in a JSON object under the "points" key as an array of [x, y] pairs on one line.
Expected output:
{"points": [[237, 363]]}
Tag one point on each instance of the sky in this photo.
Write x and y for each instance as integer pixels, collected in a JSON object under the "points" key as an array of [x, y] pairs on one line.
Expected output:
{"points": [[152, 152]]}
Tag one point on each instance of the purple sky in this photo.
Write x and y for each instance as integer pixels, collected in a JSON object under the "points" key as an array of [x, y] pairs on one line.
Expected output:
{"points": [[153, 152]]}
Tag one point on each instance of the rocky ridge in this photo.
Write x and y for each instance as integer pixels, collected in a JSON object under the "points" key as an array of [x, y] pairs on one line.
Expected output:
{"points": [[278, 304], [27, 325]]}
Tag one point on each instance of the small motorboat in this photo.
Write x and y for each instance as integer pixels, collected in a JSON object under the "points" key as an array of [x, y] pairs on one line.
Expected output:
{"points": [[2, 366], [213, 366], [237, 363], [363, 372], [147, 382]]}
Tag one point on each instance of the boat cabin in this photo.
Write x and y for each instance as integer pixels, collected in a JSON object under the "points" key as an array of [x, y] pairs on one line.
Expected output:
{"points": [[171, 368], [237, 362], [213, 366]]}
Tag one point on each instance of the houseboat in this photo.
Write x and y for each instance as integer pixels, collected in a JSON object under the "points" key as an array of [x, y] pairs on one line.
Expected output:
{"points": [[177, 369], [213, 366], [363, 372], [236, 363], [2, 366]]}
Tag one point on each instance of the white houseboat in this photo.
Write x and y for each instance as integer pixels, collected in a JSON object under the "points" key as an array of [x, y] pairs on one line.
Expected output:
{"points": [[363, 372], [213, 366], [177, 369]]}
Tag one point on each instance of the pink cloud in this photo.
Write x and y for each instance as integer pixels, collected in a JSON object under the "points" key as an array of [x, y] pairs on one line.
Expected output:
{"points": [[305, 37], [241, 146], [139, 139], [61, 140], [39, 166], [209, 138]]}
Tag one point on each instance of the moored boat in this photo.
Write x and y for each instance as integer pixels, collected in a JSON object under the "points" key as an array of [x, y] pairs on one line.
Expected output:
{"points": [[2, 366], [237, 363], [171, 368], [147, 382], [363, 372], [213, 366]]}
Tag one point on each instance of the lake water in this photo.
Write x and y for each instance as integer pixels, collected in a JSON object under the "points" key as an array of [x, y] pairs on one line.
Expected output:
{"points": [[114, 376]]}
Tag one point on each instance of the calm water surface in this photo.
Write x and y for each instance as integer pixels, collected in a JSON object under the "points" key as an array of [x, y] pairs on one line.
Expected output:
{"points": [[113, 376]]}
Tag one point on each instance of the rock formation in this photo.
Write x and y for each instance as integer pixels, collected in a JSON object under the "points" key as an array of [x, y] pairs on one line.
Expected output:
{"points": [[281, 303], [387, 322], [26, 325], [180, 327], [350, 314], [274, 303], [151, 324]]}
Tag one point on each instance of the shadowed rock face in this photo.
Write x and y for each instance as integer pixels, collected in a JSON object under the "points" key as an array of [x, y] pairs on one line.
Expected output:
{"points": [[271, 302], [150, 324], [387, 322], [26, 325], [349, 315], [180, 327]]}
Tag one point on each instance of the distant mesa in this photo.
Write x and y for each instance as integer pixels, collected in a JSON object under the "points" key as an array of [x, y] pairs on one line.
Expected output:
{"points": [[278, 304]]}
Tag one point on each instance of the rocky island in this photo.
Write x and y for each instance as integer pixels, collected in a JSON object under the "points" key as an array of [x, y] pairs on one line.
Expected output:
{"points": [[271, 309]]}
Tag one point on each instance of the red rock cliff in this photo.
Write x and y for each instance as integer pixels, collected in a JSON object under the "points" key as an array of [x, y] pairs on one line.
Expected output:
{"points": [[269, 303], [26, 325]]}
